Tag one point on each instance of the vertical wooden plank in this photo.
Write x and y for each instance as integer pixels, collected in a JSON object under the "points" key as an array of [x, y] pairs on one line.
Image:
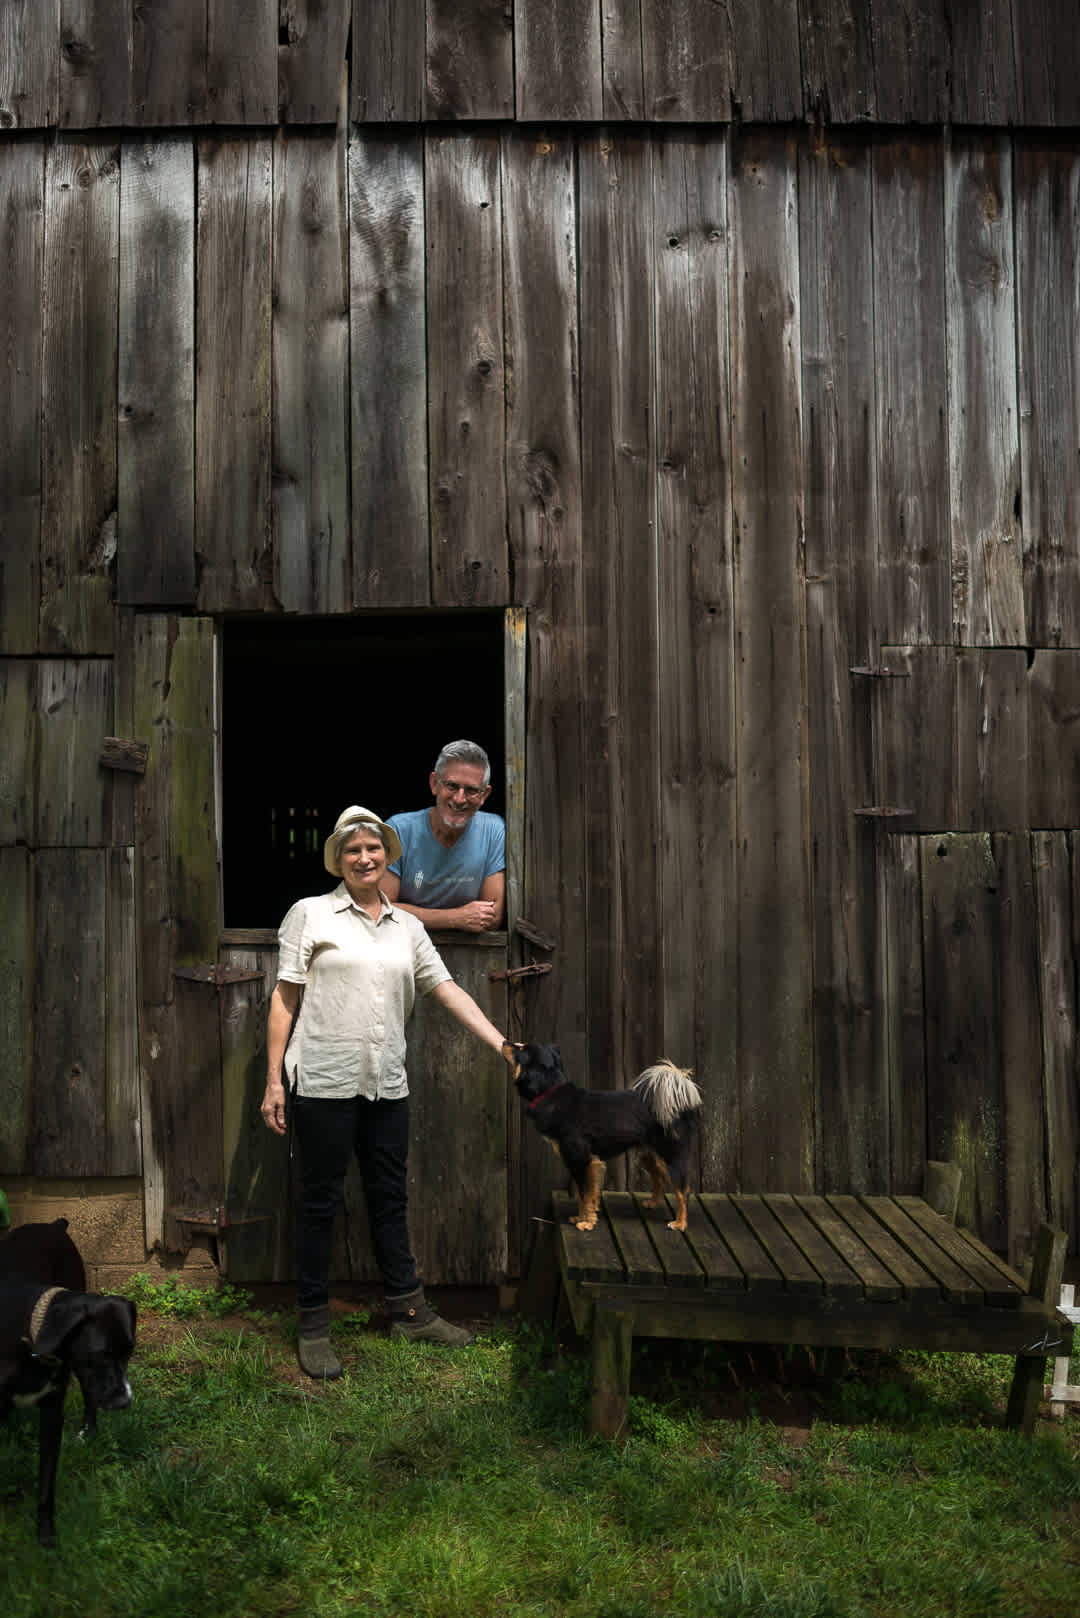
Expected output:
{"points": [[903, 1010], [390, 547], [617, 305], [839, 406], [168, 63], [1046, 50], [1053, 760], [69, 1134], [992, 781], [470, 60], [311, 59], [688, 49], [79, 381], [177, 905], [982, 82], [1057, 887], [558, 61], [241, 61], [766, 75], [984, 444], [466, 416], [18, 756], [22, 236], [310, 374], [232, 420], [257, 1166], [515, 695], [915, 723], [72, 711], [1016, 1000], [623, 59], [16, 1009], [909, 342], [95, 63], [185, 1101], [774, 954], [457, 1118], [28, 63], [121, 1016], [155, 562], [911, 53], [696, 666], [837, 61], [544, 493], [1048, 285], [543, 473], [965, 1105], [176, 831], [388, 61]]}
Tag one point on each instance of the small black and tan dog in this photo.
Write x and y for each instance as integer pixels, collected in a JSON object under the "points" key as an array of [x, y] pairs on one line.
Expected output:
{"points": [[658, 1117]]}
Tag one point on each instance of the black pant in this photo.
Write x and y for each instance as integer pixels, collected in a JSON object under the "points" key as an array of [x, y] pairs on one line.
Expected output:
{"points": [[329, 1132]]}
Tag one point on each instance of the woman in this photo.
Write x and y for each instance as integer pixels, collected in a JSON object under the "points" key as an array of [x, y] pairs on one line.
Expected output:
{"points": [[360, 962]]}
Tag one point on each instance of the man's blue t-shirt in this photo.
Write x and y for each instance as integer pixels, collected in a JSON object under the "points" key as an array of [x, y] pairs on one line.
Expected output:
{"points": [[438, 878]]}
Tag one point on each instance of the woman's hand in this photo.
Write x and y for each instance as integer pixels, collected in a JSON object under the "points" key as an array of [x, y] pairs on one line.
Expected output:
{"points": [[273, 1106]]}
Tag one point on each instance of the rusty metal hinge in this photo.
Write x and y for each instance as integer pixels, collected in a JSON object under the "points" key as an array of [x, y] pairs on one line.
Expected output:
{"points": [[214, 1221], [884, 811], [217, 975], [515, 974], [878, 671]]}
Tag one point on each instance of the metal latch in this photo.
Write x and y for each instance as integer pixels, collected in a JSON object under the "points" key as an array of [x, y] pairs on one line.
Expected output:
{"points": [[217, 974], [515, 974]]}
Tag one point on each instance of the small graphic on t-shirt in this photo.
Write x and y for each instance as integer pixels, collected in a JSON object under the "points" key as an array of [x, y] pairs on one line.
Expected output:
{"points": [[418, 880]]}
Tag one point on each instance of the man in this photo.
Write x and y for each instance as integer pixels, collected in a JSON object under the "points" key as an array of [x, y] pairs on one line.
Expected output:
{"points": [[452, 870]]}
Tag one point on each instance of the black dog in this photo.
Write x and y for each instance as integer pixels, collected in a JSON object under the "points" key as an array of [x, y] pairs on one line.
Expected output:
{"points": [[46, 1332], [657, 1116]]}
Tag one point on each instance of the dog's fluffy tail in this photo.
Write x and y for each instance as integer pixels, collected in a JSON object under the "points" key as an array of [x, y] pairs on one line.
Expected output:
{"points": [[669, 1092]]}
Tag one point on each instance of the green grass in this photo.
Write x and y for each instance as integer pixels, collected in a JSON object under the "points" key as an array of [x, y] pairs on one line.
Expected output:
{"points": [[450, 1483]]}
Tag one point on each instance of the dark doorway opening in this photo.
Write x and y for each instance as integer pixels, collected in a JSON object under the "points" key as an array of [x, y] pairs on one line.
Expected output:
{"points": [[320, 713]]}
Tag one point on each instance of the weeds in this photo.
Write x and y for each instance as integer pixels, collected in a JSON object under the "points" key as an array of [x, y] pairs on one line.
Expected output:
{"points": [[435, 1484]]}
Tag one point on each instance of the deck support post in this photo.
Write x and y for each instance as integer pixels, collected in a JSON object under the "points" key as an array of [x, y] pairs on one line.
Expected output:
{"points": [[612, 1337], [1030, 1374]]}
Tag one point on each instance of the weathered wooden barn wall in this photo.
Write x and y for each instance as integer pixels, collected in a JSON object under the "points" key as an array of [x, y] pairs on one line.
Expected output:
{"points": [[769, 429], [81, 64]]}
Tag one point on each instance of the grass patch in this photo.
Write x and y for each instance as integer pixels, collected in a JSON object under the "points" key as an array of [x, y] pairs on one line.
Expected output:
{"points": [[442, 1483]]}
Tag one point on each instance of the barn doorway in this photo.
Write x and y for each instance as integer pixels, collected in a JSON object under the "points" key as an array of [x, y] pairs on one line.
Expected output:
{"points": [[320, 713]]}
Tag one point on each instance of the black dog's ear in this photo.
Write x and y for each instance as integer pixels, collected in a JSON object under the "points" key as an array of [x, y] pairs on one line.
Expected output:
{"points": [[67, 1310], [557, 1054]]}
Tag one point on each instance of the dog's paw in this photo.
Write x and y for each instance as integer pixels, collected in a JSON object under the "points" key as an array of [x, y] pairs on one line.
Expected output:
{"points": [[676, 1224], [585, 1224]]}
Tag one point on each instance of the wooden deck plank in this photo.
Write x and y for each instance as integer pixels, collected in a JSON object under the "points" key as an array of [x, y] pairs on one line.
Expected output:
{"points": [[956, 1284], [677, 1259], [637, 1252], [753, 1260], [838, 1276], [917, 1283], [798, 1273], [999, 1291], [877, 1282], [722, 1270], [587, 1255]]}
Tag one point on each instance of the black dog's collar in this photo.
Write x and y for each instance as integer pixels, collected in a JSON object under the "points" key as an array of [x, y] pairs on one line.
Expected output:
{"points": [[559, 1086]]}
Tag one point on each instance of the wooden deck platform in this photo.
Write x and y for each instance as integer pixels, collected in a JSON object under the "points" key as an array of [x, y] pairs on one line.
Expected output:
{"points": [[856, 1272]]}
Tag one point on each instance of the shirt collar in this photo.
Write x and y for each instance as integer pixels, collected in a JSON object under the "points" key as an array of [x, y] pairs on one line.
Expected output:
{"points": [[341, 899]]}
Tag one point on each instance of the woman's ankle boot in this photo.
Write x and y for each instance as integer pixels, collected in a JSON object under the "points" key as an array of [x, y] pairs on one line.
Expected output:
{"points": [[317, 1358]]}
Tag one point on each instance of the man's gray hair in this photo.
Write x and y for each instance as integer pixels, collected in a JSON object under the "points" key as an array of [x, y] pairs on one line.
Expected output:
{"points": [[463, 753]]}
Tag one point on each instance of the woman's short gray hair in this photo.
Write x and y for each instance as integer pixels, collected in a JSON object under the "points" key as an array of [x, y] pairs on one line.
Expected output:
{"points": [[463, 753]]}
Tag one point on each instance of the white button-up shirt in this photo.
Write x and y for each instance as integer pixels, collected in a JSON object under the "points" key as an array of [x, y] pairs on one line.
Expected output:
{"points": [[361, 978]]}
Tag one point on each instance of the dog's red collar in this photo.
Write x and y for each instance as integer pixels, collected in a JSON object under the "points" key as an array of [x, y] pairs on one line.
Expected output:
{"points": [[551, 1092]]}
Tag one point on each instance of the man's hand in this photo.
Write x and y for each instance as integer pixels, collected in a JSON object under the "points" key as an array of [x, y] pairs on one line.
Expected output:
{"points": [[478, 916], [273, 1106]]}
